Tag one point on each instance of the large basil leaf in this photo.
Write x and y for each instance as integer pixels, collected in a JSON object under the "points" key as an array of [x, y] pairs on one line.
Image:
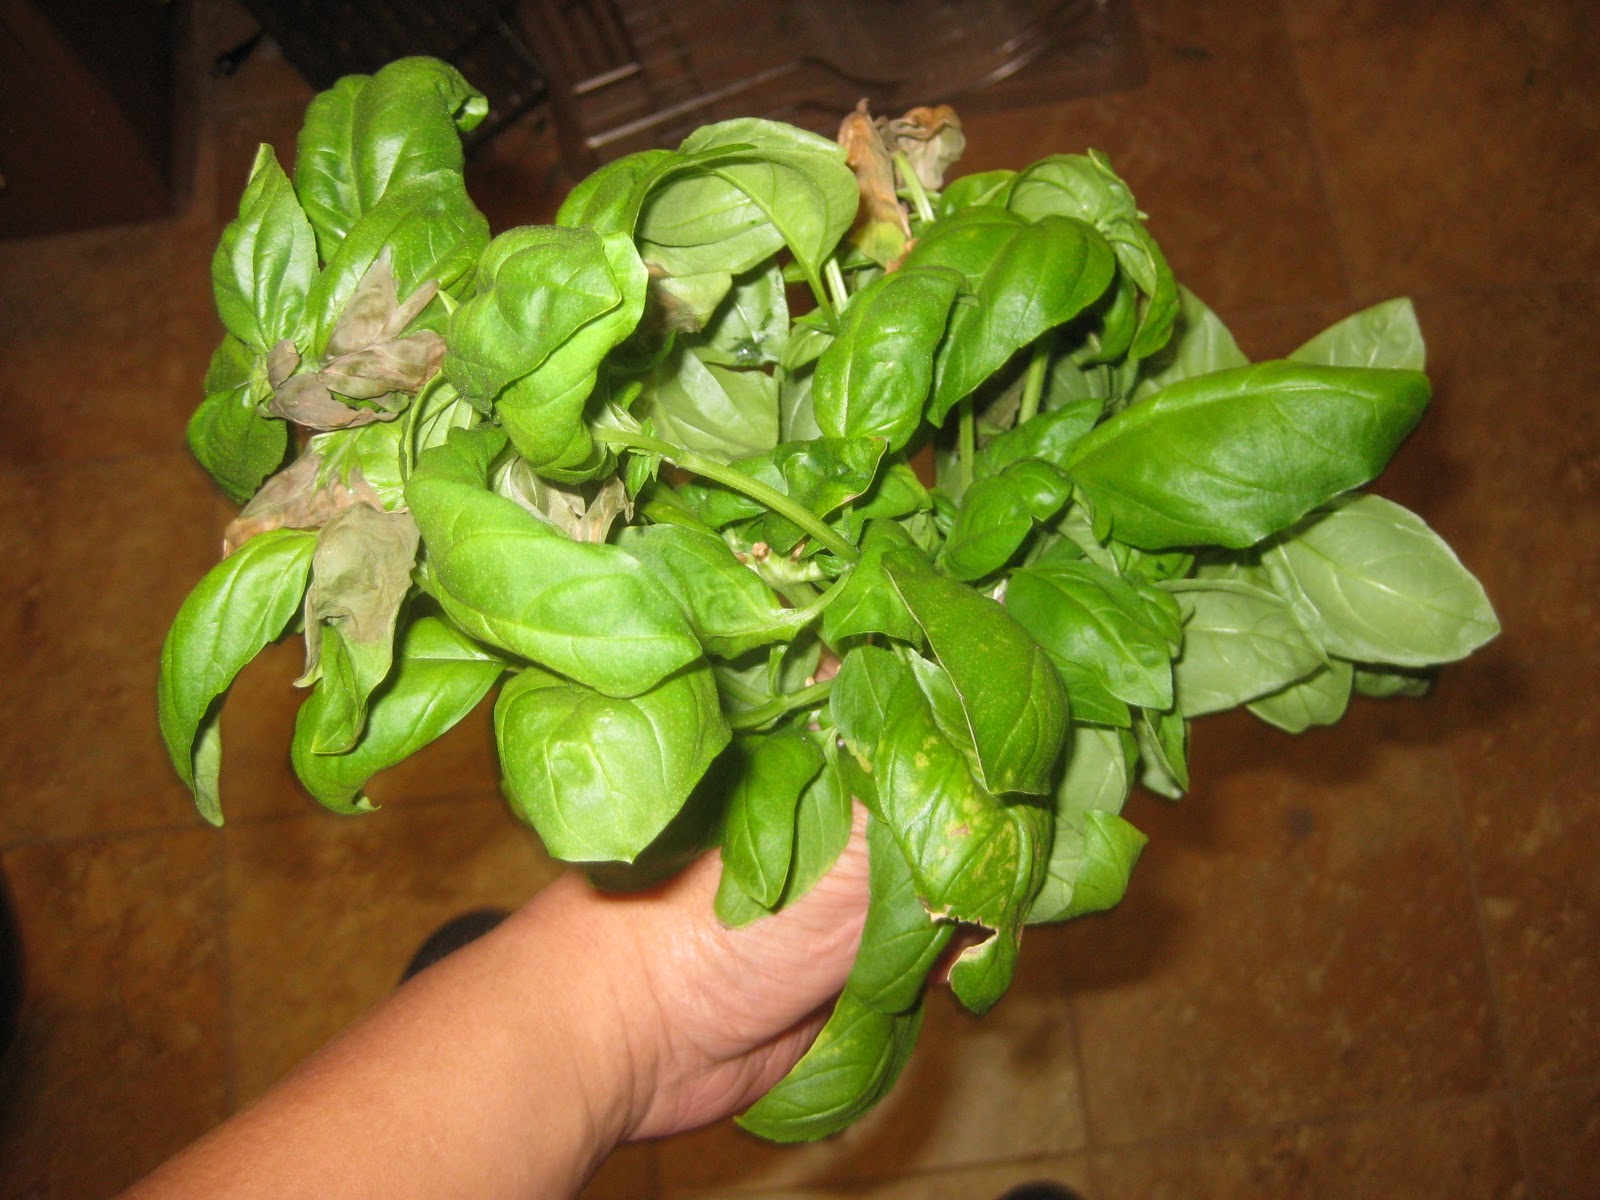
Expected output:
{"points": [[731, 609], [240, 605], [1097, 781], [975, 857], [900, 941], [1319, 699], [265, 260], [588, 610], [534, 289], [608, 200], [850, 1067], [1026, 280], [1230, 458], [1015, 707], [366, 135], [1238, 644], [600, 777], [722, 413], [439, 677], [1375, 584], [771, 771], [755, 185], [431, 231], [1083, 614], [1085, 187], [874, 377], [237, 443], [1385, 335]]}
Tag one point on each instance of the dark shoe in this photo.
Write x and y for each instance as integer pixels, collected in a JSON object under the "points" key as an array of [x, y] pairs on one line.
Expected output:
{"points": [[452, 935], [1042, 1190]]}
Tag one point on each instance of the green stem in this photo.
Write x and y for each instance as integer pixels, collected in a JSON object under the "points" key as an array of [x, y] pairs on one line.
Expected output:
{"points": [[1033, 384], [908, 176], [737, 480], [968, 447], [835, 279], [761, 715]]}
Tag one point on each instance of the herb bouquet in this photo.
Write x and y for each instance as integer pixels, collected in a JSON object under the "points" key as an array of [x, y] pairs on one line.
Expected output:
{"points": [[648, 472]]}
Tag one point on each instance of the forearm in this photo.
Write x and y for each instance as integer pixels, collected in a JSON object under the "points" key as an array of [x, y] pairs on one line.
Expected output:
{"points": [[507, 1070]]}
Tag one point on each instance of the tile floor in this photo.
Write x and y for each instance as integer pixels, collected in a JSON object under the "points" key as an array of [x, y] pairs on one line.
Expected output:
{"points": [[1365, 962]]}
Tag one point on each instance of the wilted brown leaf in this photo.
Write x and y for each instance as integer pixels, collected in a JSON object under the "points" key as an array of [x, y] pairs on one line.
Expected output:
{"points": [[360, 574], [293, 499], [931, 139]]}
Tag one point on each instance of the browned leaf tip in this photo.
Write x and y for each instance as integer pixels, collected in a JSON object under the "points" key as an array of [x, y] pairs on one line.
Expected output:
{"points": [[870, 159], [931, 139]]}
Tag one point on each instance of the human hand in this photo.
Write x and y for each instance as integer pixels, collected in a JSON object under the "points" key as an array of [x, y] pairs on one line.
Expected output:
{"points": [[712, 1017]]}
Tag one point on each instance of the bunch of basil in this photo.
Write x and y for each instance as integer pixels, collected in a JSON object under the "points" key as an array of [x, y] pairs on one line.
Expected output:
{"points": [[1131, 526]]}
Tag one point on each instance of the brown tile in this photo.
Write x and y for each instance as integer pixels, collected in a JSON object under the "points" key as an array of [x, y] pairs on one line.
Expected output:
{"points": [[1298, 940], [1216, 145], [104, 554], [122, 1057], [956, 1183], [990, 1090], [258, 726], [326, 911], [1527, 752], [263, 79], [106, 339], [1452, 1151], [1457, 138], [1561, 1134], [628, 1174]]}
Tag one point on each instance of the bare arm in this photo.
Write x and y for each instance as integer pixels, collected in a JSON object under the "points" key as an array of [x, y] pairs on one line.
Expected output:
{"points": [[515, 1065]]}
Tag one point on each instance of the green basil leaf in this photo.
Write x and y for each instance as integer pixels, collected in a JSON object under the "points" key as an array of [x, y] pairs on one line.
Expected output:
{"points": [[1163, 740], [432, 232], [608, 200], [996, 515], [752, 176], [859, 702], [1230, 458], [368, 134], [875, 376], [983, 188], [1319, 699], [850, 1067], [1387, 682], [900, 941], [1026, 279], [1015, 707], [1375, 584], [1049, 436], [440, 676], [1086, 188], [758, 836], [265, 260], [590, 611], [721, 413], [1083, 614], [240, 605], [1097, 780], [1200, 345], [230, 435], [731, 610], [1385, 335], [749, 327], [599, 777], [1238, 645]]}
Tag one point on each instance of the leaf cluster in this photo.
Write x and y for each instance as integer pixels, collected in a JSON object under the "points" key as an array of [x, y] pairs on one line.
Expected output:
{"points": [[650, 476]]}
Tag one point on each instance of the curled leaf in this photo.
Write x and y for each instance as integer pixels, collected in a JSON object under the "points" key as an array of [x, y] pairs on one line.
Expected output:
{"points": [[931, 139], [296, 498], [882, 227]]}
